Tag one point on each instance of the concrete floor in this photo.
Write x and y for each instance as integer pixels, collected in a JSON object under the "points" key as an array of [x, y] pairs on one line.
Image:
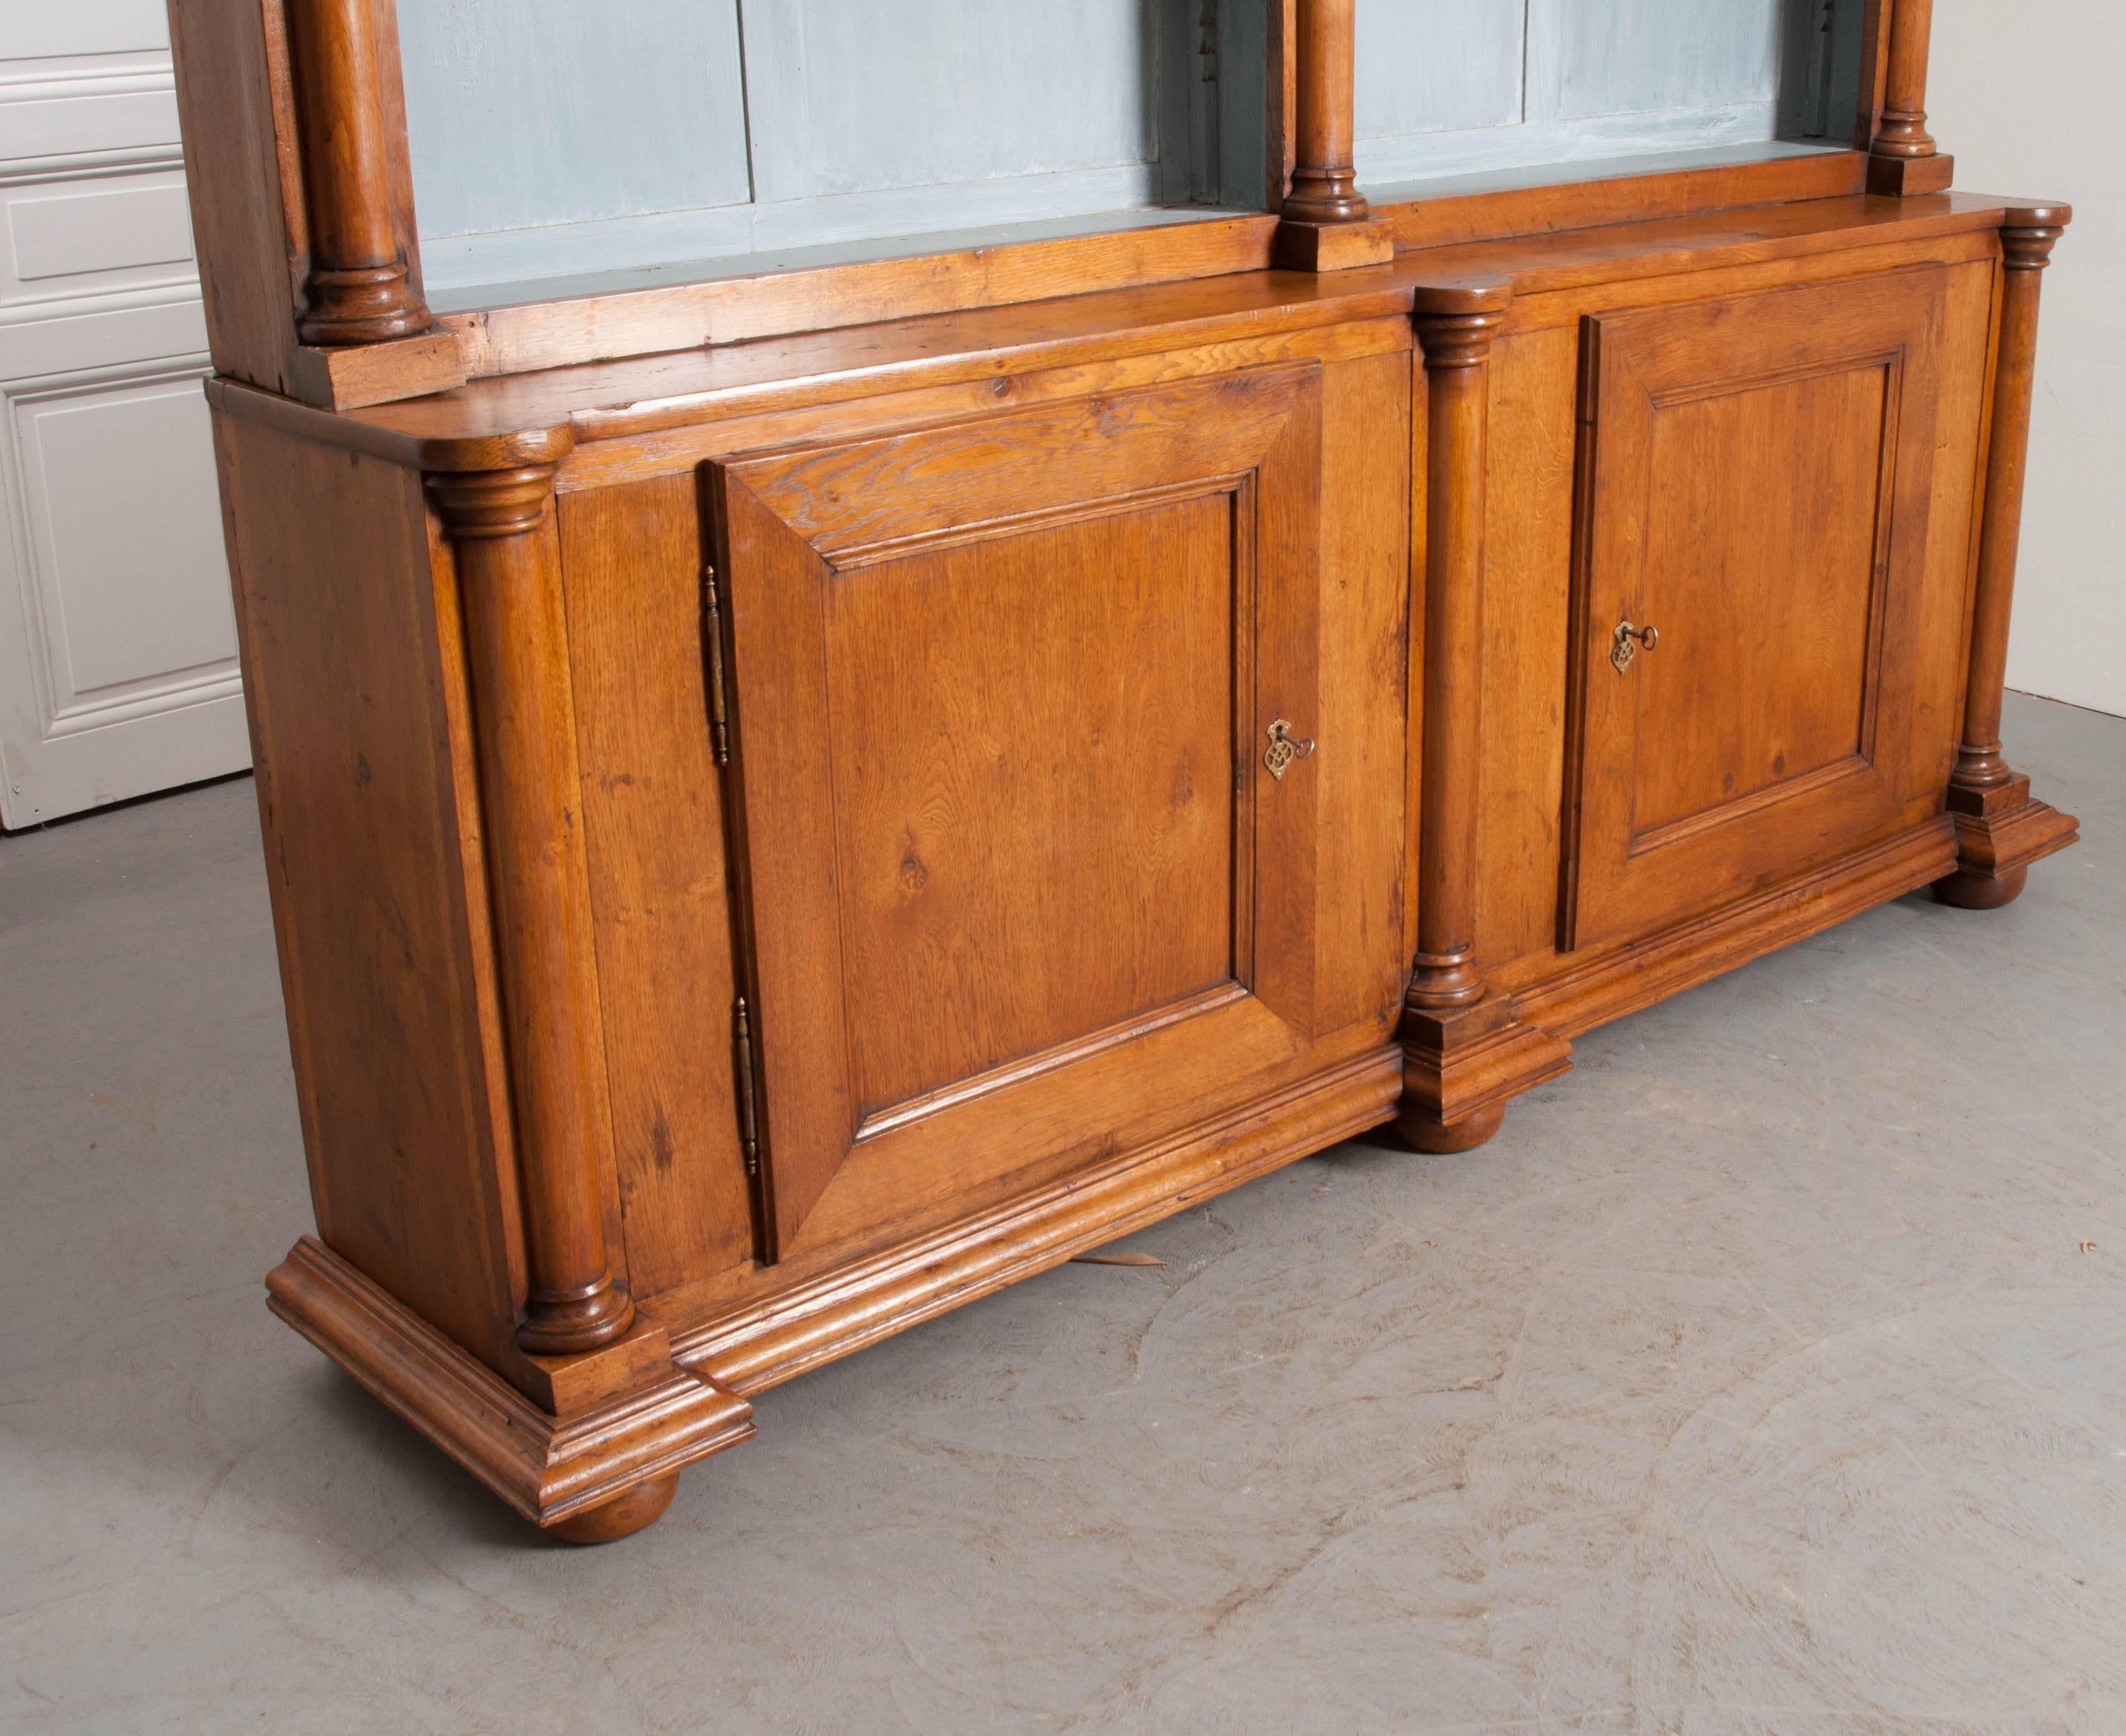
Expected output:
{"points": [[1753, 1380]]}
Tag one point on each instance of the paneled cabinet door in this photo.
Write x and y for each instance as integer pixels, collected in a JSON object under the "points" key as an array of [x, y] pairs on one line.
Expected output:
{"points": [[1020, 877], [1755, 480]]}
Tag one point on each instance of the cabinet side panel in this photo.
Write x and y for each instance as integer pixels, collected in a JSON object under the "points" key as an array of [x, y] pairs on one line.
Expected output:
{"points": [[1527, 604], [346, 681], [1944, 600], [1365, 601], [654, 820], [234, 175]]}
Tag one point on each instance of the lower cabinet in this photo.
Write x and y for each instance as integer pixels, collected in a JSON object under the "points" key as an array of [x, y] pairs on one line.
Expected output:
{"points": [[762, 863], [1758, 472]]}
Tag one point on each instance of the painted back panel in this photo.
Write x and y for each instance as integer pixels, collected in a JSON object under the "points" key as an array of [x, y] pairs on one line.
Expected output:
{"points": [[1460, 87], [522, 113], [1437, 69], [554, 140], [1652, 56], [851, 96]]}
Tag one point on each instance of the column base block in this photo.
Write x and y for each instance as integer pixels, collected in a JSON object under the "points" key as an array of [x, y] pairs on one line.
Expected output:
{"points": [[1999, 832], [356, 376], [1460, 1069], [1901, 178], [1332, 247]]}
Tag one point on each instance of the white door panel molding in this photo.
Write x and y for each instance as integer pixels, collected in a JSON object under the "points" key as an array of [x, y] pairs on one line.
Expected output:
{"points": [[118, 666]]}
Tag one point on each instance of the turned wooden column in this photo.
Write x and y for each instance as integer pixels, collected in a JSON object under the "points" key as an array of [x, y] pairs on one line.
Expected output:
{"points": [[501, 526], [358, 290], [1901, 156], [1324, 223], [1464, 1053], [1456, 349], [1999, 830], [1324, 179]]}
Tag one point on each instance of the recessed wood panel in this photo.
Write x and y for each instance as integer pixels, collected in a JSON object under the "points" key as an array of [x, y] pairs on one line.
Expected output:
{"points": [[1761, 555], [1001, 694], [1093, 808], [1755, 479]]}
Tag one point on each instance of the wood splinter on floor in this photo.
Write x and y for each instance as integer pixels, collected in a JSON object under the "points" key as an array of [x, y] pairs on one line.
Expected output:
{"points": [[1117, 1260]]}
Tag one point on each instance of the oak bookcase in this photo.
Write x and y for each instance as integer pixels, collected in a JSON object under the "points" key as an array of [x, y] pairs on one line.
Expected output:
{"points": [[808, 775]]}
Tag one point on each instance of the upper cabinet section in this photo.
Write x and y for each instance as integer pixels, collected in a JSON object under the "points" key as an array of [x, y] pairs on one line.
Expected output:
{"points": [[1456, 86], [662, 136]]}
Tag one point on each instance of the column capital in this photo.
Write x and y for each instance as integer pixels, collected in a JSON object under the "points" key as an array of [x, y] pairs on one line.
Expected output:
{"points": [[2029, 233], [476, 504], [1457, 322]]}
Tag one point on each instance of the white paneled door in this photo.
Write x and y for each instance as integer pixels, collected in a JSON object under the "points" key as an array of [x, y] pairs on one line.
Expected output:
{"points": [[118, 672]]}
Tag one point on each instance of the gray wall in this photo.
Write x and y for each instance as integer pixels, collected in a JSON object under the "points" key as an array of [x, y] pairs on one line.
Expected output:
{"points": [[2025, 100]]}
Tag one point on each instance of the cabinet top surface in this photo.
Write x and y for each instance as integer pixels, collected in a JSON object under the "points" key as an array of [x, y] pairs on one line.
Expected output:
{"points": [[538, 417]]}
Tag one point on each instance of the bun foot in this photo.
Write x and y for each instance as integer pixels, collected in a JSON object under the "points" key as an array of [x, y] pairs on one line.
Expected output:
{"points": [[1966, 890], [1421, 1134], [622, 1516]]}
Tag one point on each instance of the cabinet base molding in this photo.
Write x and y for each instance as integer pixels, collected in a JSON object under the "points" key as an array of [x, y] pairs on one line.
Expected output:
{"points": [[748, 1352], [556, 1471], [608, 1472], [1635, 976], [1999, 833]]}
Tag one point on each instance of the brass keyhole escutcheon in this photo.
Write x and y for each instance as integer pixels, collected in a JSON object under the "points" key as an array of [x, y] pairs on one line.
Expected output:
{"points": [[1625, 642], [1284, 747]]}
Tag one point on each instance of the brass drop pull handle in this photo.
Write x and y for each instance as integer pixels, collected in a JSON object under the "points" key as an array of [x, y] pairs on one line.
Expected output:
{"points": [[1284, 747], [1625, 642]]}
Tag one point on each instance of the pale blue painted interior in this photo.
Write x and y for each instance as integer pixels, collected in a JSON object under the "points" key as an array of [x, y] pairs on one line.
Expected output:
{"points": [[660, 139], [1653, 57], [1443, 67], [522, 113], [552, 139], [1451, 87], [858, 95]]}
